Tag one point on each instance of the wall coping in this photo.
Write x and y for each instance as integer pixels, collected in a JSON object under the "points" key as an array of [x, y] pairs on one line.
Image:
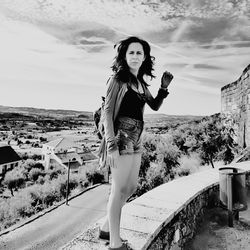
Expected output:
{"points": [[235, 82], [143, 218]]}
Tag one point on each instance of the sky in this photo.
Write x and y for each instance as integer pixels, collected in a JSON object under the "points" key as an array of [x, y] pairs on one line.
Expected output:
{"points": [[57, 54]]}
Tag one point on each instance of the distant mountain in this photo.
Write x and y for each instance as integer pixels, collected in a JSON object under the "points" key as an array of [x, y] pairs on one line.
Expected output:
{"points": [[61, 113], [51, 113], [164, 117], [168, 121]]}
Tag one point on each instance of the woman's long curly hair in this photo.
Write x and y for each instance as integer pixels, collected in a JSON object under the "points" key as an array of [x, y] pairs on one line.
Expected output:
{"points": [[120, 66]]}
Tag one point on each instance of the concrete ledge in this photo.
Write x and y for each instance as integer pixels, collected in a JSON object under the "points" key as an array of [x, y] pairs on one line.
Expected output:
{"points": [[163, 217]]}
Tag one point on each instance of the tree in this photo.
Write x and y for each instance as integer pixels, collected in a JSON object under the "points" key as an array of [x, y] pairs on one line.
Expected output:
{"points": [[34, 173], [14, 180], [216, 141]]}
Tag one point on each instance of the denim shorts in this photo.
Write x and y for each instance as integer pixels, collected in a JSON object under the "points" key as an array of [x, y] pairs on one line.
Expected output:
{"points": [[128, 135]]}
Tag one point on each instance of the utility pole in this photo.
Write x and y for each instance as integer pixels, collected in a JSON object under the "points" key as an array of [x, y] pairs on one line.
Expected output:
{"points": [[67, 191]]}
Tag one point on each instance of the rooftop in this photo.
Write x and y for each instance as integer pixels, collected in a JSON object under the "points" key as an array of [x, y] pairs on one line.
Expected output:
{"points": [[8, 154], [62, 142]]}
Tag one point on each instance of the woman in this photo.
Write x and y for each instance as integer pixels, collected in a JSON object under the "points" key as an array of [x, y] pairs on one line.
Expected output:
{"points": [[126, 96]]}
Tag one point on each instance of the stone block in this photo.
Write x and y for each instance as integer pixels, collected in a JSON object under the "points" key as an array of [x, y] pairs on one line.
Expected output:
{"points": [[177, 235], [152, 213], [138, 224], [136, 240], [155, 203]]}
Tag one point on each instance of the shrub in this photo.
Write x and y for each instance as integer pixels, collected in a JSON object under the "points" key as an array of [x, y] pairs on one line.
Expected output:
{"points": [[35, 173], [168, 153], [156, 176], [39, 166], [13, 209], [60, 184], [54, 172], [37, 197], [145, 164], [21, 206], [188, 164], [41, 180], [14, 179], [150, 143], [28, 164], [142, 187], [4, 214], [86, 184], [95, 177]]}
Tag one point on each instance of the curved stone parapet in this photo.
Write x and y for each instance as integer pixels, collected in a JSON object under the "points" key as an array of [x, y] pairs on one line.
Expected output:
{"points": [[163, 218]]}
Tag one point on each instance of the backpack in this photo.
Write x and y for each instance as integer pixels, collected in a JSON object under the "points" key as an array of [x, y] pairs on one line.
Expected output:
{"points": [[98, 116]]}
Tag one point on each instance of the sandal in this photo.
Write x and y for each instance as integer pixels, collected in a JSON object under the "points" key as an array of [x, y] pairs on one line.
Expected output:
{"points": [[104, 235]]}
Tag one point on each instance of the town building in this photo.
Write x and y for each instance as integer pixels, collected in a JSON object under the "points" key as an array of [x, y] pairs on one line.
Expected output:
{"points": [[66, 152], [9, 159]]}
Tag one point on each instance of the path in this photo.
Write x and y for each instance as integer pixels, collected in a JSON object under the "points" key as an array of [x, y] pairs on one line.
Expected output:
{"points": [[56, 228]]}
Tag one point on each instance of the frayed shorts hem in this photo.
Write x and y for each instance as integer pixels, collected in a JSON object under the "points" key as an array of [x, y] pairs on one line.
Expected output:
{"points": [[125, 152]]}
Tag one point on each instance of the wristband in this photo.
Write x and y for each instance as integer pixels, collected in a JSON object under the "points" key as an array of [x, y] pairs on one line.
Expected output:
{"points": [[164, 88]]}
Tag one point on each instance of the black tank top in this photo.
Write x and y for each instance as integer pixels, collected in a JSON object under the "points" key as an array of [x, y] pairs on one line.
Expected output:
{"points": [[132, 105]]}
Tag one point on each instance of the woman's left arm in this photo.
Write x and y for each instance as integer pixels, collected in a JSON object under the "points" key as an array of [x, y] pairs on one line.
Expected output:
{"points": [[156, 102]]}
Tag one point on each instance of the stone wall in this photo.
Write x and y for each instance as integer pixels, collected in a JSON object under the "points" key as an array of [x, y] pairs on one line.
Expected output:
{"points": [[183, 226], [235, 104]]}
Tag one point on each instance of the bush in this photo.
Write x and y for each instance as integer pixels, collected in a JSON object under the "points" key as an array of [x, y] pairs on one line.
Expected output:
{"points": [[156, 176], [54, 172], [188, 165], [86, 184], [159, 159], [142, 188], [39, 166], [41, 180], [168, 154], [145, 164], [150, 143], [28, 164], [13, 209], [60, 184], [5, 219], [21, 206], [95, 177], [14, 180], [35, 173], [37, 197]]}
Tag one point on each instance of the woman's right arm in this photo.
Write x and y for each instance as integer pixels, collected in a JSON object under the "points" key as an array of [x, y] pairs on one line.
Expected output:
{"points": [[110, 101]]}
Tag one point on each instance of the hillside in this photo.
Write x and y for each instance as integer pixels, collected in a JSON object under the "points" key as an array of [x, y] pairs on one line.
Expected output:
{"points": [[163, 120], [12, 112]]}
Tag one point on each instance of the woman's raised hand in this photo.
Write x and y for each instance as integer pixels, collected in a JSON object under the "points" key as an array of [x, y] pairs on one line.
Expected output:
{"points": [[166, 78]]}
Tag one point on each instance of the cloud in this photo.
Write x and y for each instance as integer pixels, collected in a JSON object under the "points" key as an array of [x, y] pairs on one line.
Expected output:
{"points": [[200, 21], [207, 66], [66, 47]]}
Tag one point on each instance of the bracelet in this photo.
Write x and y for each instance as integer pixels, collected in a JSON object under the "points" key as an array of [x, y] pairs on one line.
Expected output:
{"points": [[164, 88]]}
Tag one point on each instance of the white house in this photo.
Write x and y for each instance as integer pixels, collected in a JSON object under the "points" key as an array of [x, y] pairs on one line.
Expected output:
{"points": [[66, 152]]}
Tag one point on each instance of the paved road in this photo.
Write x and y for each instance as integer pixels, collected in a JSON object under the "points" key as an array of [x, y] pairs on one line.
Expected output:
{"points": [[61, 225]]}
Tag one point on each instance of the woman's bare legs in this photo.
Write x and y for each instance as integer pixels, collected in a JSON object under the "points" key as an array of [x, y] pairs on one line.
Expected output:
{"points": [[124, 182]]}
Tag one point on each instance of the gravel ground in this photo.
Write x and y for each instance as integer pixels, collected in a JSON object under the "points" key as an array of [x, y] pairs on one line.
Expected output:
{"points": [[214, 233]]}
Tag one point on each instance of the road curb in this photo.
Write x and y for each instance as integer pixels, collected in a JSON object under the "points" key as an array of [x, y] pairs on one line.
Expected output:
{"points": [[45, 211]]}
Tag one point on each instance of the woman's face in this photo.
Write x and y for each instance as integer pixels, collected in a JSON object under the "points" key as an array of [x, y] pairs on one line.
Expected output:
{"points": [[135, 57]]}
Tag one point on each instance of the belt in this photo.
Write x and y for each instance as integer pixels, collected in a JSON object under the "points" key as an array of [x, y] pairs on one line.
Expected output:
{"points": [[131, 121]]}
